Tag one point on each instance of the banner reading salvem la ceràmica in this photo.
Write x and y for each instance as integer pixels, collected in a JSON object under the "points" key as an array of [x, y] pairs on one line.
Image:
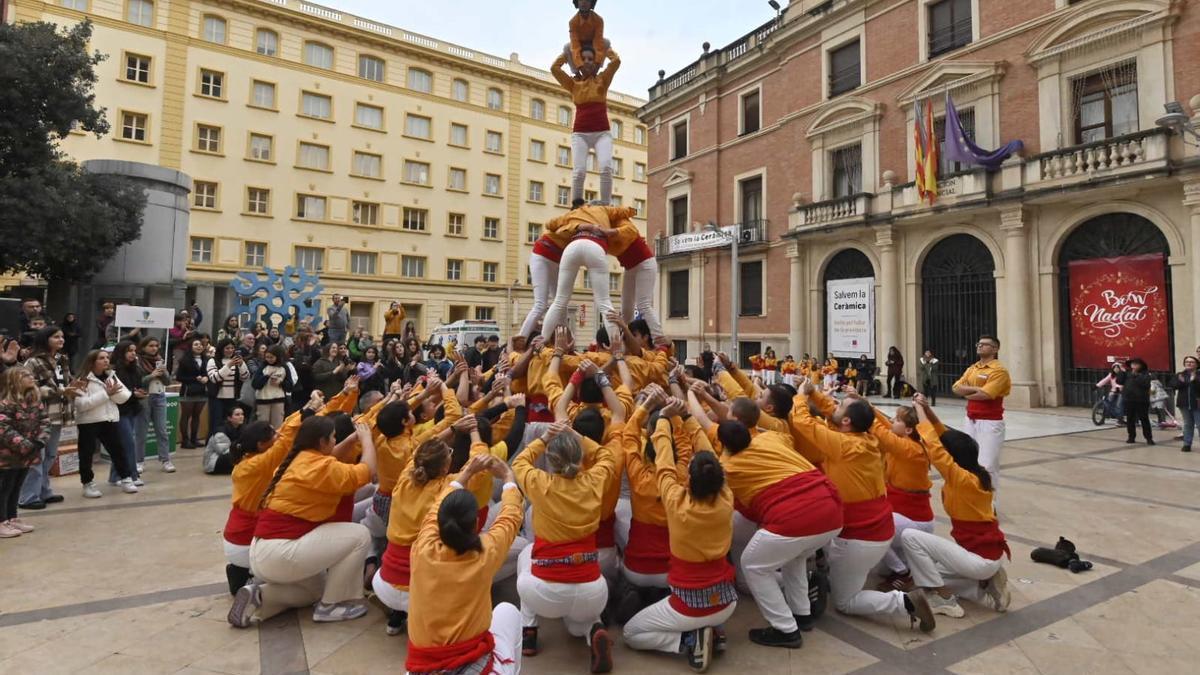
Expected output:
{"points": [[850, 313], [1119, 311]]}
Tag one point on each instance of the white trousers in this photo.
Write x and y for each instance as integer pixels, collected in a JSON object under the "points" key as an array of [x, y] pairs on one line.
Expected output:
{"points": [[506, 631], [637, 294], [578, 605], [602, 143], [543, 272], [587, 254], [325, 564], [894, 558], [624, 514], [768, 552], [644, 580], [236, 554], [789, 380], [389, 595], [659, 627], [850, 561], [940, 563], [610, 565], [770, 377], [743, 532], [989, 434]]}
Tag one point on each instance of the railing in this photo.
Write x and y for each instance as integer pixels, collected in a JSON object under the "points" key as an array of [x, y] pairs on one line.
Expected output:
{"points": [[727, 54], [456, 51], [1106, 155], [831, 211], [749, 233]]}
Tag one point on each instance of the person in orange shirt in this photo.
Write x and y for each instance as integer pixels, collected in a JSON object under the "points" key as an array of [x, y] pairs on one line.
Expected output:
{"points": [[849, 455], [394, 322], [972, 565], [586, 30], [591, 131], [298, 556], [770, 367], [757, 364], [984, 385], [454, 627], [788, 369], [559, 576], [699, 508]]}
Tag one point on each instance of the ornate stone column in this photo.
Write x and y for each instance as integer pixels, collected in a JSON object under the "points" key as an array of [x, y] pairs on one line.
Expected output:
{"points": [[1017, 350], [887, 301], [1191, 199], [795, 299]]}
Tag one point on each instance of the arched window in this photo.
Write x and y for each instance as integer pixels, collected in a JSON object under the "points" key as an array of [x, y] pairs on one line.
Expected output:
{"points": [[564, 116], [615, 129], [266, 42], [420, 80], [495, 99], [214, 29], [460, 90], [537, 109], [318, 54], [371, 67]]}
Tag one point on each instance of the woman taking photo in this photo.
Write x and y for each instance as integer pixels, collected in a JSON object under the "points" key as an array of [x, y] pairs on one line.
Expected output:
{"points": [[125, 366], [272, 384], [155, 380], [1187, 399], [895, 372], [300, 556], [1137, 401], [51, 369], [192, 373], [96, 416], [227, 374], [454, 627], [24, 430]]}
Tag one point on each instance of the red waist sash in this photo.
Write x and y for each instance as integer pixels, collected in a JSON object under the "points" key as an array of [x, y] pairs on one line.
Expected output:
{"points": [[983, 538], [396, 566], [649, 549], [986, 410], [911, 505], [481, 518], [802, 505], [591, 117], [566, 562], [868, 521], [546, 248], [701, 588], [637, 253], [239, 527], [448, 658], [606, 536], [538, 409], [276, 525]]}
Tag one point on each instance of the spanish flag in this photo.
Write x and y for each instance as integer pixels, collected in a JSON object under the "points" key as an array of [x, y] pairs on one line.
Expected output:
{"points": [[926, 152]]}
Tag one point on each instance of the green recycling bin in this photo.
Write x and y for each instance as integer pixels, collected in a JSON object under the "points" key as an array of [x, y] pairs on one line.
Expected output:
{"points": [[172, 426]]}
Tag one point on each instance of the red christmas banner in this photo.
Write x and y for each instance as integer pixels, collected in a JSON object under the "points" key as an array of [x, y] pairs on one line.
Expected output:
{"points": [[1119, 311]]}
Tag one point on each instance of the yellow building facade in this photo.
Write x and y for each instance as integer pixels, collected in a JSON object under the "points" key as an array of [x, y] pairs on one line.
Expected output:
{"points": [[401, 167]]}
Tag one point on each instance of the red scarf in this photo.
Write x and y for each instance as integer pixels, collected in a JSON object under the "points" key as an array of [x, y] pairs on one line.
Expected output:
{"points": [[870, 520], [983, 538], [240, 526], [448, 658], [912, 505], [649, 549], [396, 566], [576, 571], [685, 574]]}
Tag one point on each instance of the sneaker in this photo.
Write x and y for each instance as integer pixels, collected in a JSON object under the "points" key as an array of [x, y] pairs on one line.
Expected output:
{"points": [[138, 482], [53, 499], [919, 611], [346, 610], [397, 622], [168, 467], [127, 486], [699, 649], [90, 491], [37, 505], [1150, 441], [773, 637], [245, 603], [601, 647], [8, 531], [819, 589], [21, 525], [1186, 448], [141, 468], [529, 642], [720, 640], [945, 606], [805, 622], [997, 592]]}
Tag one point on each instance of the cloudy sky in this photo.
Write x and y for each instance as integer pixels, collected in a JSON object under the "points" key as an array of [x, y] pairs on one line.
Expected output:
{"points": [[649, 34]]}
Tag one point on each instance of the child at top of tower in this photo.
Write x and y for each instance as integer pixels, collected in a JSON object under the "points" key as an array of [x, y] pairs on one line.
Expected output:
{"points": [[587, 29]]}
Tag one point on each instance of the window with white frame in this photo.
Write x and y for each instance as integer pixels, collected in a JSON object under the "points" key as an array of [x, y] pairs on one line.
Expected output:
{"points": [[750, 112], [418, 126], [846, 167], [485, 313], [457, 179], [679, 140], [369, 116], [313, 156], [212, 83], [491, 228], [616, 129], [460, 90], [310, 207], [533, 232], [416, 172], [310, 258], [495, 99], [319, 106], [263, 95], [364, 213], [258, 201], [537, 109], [536, 191], [256, 254], [491, 271], [614, 282], [318, 54], [563, 197], [204, 195], [1105, 102], [262, 147], [140, 12], [456, 224], [420, 80], [266, 42], [208, 138], [459, 135], [845, 68], [639, 208], [202, 249], [454, 269], [133, 126], [371, 67], [563, 158], [214, 29], [494, 141], [639, 171], [137, 68], [414, 219], [363, 262], [564, 116], [491, 184], [412, 266], [537, 150], [618, 167], [367, 164], [80, 5], [639, 135]]}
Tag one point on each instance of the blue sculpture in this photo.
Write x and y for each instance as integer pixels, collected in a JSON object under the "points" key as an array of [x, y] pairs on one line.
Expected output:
{"points": [[270, 295]]}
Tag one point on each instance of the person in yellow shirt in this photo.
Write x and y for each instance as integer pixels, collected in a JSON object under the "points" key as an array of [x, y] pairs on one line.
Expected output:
{"points": [[985, 385], [298, 556], [591, 131], [586, 30], [971, 566], [788, 370], [394, 322], [757, 364], [770, 367], [454, 626]]}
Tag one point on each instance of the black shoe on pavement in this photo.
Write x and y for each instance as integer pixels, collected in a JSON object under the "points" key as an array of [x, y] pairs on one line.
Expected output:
{"points": [[55, 499], [699, 649], [34, 506], [602, 661], [397, 622], [529, 642], [1186, 448], [805, 622], [1150, 441], [773, 637], [919, 611]]}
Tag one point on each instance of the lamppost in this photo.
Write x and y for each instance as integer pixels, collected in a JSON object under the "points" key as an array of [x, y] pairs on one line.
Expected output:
{"points": [[735, 280]]}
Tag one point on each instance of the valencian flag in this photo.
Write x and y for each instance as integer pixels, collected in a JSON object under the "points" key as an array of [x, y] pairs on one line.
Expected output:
{"points": [[926, 145], [963, 150]]}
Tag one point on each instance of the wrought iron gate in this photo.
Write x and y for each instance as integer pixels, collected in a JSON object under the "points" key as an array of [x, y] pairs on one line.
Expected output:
{"points": [[1109, 236], [958, 291]]}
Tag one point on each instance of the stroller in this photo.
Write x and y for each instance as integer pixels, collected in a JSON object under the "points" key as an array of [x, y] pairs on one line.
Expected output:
{"points": [[1162, 406]]}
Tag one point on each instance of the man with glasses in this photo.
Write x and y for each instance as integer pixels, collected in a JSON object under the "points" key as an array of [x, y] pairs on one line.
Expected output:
{"points": [[984, 385]]}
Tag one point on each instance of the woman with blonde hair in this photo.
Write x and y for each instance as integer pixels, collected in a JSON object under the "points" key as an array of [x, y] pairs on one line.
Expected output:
{"points": [[24, 430]]}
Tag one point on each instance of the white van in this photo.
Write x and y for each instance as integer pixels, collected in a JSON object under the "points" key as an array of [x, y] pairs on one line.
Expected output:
{"points": [[462, 334]]}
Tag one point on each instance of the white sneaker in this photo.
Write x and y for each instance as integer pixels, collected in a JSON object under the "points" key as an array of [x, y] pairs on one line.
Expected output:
{"points": [[127, 486], [168, 467], [997, 591], [141, 468], [139, 482], [945, 606], [90, 491]]}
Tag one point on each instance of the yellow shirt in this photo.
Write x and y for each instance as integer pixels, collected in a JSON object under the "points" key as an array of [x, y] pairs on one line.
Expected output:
{"points": [[394, 320], [411, 502], [851, 460], [699, 531], [906, 463], [962, 496], [991, 377], [589, 89], [769, 459], [589, 30], [314, 484], [644, 498], [565, 509], [394, 453]]}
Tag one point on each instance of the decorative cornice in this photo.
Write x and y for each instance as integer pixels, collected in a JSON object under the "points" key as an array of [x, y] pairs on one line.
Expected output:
{"points": [[1013, 221]]}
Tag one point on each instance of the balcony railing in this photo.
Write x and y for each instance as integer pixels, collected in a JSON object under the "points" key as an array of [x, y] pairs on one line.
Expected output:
{"points": [[1107, 157], [750, 233], [840, 211]]}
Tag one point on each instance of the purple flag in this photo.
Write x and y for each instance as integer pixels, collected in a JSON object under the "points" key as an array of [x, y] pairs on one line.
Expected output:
{"points": [[963, 150]]}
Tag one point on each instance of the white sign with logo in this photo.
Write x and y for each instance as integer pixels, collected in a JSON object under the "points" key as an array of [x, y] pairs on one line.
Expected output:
{"points": [[132, 316], [696, 241], [850, 310]]}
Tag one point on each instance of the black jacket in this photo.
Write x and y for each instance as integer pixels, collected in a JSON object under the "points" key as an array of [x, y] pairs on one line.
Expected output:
{"points": [[1187, 390], [187, 371], [1137, 387]]}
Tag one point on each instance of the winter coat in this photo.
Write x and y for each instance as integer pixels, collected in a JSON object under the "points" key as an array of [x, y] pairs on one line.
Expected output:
{"points": [[24, 428]]}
